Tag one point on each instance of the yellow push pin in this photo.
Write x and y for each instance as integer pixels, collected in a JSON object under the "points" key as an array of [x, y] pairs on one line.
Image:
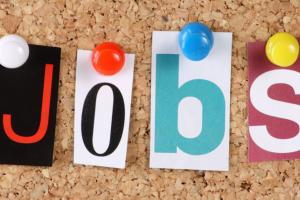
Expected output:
{"points": [[282, 49]]}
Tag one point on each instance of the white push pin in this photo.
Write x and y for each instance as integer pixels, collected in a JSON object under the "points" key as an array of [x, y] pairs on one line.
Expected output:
{"points": [[14, 51]]}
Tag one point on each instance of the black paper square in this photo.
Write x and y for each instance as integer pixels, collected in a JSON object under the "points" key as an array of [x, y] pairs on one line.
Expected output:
{"points": [[21, 92]]}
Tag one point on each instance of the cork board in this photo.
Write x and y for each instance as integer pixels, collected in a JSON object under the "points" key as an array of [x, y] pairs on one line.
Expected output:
{"points": [[72, 24]]}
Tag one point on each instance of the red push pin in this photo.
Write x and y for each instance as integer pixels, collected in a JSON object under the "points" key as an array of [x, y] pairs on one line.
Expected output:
{"points": [[108, 58]]}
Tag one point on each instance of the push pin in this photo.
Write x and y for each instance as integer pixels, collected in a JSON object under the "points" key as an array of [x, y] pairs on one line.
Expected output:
{"points": [[282, 49], [108, 58], [196, 41], [14, 51]]}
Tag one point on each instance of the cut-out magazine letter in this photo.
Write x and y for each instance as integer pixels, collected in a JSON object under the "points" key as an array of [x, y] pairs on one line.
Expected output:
{"points": [[190, 105], [102, 113], [273, 107], [28, 108]]}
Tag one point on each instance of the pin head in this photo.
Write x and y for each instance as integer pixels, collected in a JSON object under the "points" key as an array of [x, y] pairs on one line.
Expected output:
{"points": [[195, 41], [282, 49], [14, 51], [108, 58]]}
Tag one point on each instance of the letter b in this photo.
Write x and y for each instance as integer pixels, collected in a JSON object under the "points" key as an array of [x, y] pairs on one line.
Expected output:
{"points": [[168, 97]]}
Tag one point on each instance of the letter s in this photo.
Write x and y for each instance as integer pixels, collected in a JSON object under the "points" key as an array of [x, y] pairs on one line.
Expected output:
{"points": [[266, 105]]}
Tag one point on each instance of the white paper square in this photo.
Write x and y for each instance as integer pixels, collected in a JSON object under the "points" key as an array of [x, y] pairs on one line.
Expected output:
{"points": [[216, 67], [86, 78]]}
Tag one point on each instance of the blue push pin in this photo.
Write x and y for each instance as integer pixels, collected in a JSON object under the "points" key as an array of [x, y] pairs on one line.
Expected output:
{"points": [[195, 41]]}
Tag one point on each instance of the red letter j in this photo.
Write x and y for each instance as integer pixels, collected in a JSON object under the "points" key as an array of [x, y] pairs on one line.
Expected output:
{"points": [[40, 133]]}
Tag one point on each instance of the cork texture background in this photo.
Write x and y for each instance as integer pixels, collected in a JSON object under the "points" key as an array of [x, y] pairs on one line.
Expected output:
{"points": [[72, 24]]}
